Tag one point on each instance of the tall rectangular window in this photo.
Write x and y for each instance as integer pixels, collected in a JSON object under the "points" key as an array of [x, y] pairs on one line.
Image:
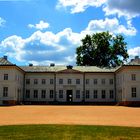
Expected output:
{"points": [[95, 94], [77, 81], [51, 94], [133, 77], [111, 94], [5, 76], [27, 93], [103, 94], [43, 94], [103, 81], [77, 94], [95, 81], [60, 93], [35, 93], [69, 81], [5, 91], [35, 81], [60, 81], [133, 92], [51, 81], [87, 81], [43, 81], [111, 81], [87, 94], [27, 81]]}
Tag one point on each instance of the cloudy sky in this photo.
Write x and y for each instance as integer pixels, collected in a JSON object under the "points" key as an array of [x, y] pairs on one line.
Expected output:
{"points": [[48, 31]]}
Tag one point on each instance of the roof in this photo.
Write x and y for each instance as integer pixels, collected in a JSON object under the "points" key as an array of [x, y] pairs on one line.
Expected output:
{"points": [[4, 61], [61, 68]]}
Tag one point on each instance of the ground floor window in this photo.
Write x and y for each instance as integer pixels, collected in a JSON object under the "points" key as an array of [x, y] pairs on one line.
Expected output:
{"points": [[27, 95], [35, 93], [133, 92], [51, 94], [5, 91], [60, 93], [103, 94], [43, 94], [111, 92], [87, 94], [95, 94], [77, 94]]}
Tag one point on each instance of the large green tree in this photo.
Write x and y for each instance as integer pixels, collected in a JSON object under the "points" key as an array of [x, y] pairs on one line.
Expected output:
{"points": [[103, 50]]}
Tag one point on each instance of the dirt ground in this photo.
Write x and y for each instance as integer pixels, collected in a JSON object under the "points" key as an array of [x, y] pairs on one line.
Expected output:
{"points": [[83, 115]]}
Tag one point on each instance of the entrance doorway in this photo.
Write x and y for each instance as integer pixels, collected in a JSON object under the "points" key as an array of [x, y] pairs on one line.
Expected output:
{"points": [[69, 95]]}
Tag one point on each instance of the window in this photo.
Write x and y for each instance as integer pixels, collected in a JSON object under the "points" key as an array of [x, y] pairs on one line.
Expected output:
{"points": [[35, 93], [51, 81], [111, 81], [103, 94], [43, 94], [77, 81], [69, 81], [95, 81], [35, 81], [60, 81], [51, 93], [27, 93], [5, 91], [5, 76], [77, 94], [87, 81], [111, 92], [133, 92], [43, 81], [133, 77], [95, 94], [103, 81], [87, 94], [27, 81], [60, 93]]}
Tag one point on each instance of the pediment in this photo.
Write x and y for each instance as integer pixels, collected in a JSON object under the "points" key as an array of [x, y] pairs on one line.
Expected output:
{"points": [[69, 71]]}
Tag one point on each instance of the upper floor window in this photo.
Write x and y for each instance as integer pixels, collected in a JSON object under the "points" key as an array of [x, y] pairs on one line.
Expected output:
{"points": [[27, 81], [111, 94], [95, 94], [77, 81], [69, 81], [60, 93], [60, 81], [95, 81], [87, 94], [111, 81], [35, 93], [35, 81], [133, 77], [43, 94], [103, 94], [27, 93], [133, 92], [5, 91], [5, 76], [51, 93], [87, 81], [43, 81], [77, 94], [103, 81], [51, 81]]}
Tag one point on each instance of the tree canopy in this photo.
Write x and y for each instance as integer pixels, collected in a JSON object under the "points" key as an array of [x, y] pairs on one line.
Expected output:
{"points": [[103, 50]]}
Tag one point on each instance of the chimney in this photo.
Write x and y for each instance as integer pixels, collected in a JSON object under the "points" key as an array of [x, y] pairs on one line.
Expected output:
{"points": [[136, 57], [69, 67], [52, 65], [30, 65], [5, 57]]}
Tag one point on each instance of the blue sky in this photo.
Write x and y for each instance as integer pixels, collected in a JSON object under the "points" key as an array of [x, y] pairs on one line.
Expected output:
{"points": [[48, 31]]}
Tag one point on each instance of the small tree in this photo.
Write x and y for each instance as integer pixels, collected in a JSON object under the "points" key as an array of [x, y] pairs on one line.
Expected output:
{"points": [[102, 49]]}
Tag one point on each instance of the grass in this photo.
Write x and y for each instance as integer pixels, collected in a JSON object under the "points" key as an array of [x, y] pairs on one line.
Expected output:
{"points": [[68, 132]]}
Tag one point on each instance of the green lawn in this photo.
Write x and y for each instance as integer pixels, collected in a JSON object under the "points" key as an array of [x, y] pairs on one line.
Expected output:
{"points": [[68, 132]]}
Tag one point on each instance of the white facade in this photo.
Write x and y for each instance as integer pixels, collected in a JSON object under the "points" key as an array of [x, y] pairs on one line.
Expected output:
{"points": [[51, 84]]}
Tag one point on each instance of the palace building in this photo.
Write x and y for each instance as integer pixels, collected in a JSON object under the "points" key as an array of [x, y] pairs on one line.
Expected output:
{"points": [[69, 84]]}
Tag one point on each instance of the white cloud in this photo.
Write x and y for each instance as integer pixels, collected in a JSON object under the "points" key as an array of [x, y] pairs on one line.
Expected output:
{"points": [[127, 8], [2, 22], [77, 6], [134, 51], [111, 25], [40, 26]]}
